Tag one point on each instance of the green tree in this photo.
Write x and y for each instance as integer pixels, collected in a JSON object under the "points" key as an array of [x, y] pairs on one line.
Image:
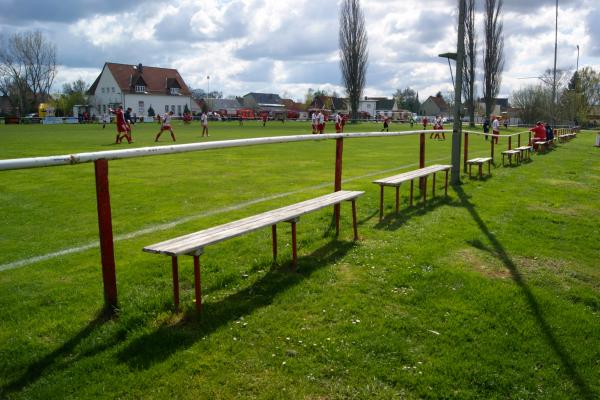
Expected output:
{"points": [[151, 112], [407, 99], [73, 93]]}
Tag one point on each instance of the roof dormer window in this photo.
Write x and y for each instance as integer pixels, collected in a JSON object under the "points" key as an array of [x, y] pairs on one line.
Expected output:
{"points": [[140, 88], [174, 90]]}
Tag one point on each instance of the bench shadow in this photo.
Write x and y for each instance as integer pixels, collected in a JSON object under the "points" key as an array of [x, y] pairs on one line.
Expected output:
{"points": [[392, 221], [169, 338], [498, 251], [57, 358]]}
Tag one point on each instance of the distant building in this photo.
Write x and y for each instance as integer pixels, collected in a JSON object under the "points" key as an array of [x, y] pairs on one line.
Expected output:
{"points": [[225, 106], [435, 105], [295, 110], [501, 105], [329, 105], [139, 87], [6, 107], [264, 102]]}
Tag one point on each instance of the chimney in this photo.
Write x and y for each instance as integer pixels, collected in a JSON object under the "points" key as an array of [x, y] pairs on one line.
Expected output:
{"points": [[140, 68]]}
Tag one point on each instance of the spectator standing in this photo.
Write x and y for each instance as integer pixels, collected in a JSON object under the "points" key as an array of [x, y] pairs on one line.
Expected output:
{"points": [[425, 122], [495, 130], [486, 127]]}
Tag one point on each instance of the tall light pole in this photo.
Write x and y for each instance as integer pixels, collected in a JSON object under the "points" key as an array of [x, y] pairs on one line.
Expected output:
{"points": [[207, 90], [577, 69], [555, 51], [449, 56], [457, 127]]}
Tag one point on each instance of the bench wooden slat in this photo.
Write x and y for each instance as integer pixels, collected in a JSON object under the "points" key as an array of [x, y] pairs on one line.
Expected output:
{"points": [[407, 176], [194, 241]]}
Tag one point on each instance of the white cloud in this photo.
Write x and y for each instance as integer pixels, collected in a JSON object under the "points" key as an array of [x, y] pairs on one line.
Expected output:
{"points": [[291, 45]]}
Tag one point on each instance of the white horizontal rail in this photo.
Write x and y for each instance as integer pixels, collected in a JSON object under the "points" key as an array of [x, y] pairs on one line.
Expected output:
{"points": [[79, 158]]}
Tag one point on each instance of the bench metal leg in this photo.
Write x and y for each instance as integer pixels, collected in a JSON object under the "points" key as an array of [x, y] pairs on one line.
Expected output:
{"points": [[294, 249], [490, 167], [433, 186], [197, 283], [397, 198], [446, 185], [354, 222], [412, 184], [481, 170], [470, 165], [424, 190], [381, 203], [175, 269], [274, 235]]}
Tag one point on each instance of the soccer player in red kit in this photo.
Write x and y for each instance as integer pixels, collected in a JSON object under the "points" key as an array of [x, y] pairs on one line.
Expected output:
{"points": [[123, 128]]}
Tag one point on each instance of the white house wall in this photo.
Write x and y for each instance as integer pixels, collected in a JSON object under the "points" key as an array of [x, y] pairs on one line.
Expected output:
{"points": [[140, 103], [100, 101]]}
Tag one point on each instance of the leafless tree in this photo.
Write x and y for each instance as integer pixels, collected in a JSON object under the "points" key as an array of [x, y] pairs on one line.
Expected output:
{"points": [[493, 57], [353, 52], [470, 61], [27, 68]]}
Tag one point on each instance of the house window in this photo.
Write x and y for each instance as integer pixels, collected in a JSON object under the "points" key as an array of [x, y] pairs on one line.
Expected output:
{"points": [[102, 90], [173, 109], [113, 89], [167, 108], [179, 109], [174, 90], [140, 88], [104, 109], [141, 107], [368, 105]]}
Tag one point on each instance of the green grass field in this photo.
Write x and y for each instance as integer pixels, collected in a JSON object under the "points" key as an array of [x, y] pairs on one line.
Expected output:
{"points": [[492, 292]]}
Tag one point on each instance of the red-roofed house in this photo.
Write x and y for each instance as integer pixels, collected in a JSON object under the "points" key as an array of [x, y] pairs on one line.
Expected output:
{"points": [[435, 105], [139, 87]]}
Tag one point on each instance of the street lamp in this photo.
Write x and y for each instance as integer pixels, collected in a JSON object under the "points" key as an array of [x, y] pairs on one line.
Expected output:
{"points": [[449, 56], [207, 90], [577, 69]]}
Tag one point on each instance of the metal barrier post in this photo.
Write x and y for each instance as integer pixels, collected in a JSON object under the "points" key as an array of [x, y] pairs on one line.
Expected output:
{"points": [[107, 251]]}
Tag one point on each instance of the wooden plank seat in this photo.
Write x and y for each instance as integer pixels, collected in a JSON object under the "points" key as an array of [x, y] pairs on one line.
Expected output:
{"points": [[510, 153], [525, 152], [541, 146], [193, 244], [397, 180], [479, 162]]}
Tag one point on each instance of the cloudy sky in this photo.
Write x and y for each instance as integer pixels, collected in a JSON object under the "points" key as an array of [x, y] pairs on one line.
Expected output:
{"points": [[288, 46]]}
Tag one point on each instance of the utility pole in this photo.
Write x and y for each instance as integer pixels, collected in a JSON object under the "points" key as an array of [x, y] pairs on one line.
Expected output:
{"points": [[457, 127], [555, 51]]}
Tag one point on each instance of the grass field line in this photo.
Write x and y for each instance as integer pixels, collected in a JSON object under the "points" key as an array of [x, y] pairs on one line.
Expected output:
{"points": [[161, 227]]}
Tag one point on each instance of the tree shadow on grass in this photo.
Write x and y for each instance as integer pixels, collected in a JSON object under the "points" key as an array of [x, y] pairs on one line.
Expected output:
{"points": [[56, 359], [168, 339], [499, 252], [393, 221]]}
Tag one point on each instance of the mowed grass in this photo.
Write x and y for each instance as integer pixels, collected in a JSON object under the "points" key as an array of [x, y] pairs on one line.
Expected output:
{"points": [[492, 292]]}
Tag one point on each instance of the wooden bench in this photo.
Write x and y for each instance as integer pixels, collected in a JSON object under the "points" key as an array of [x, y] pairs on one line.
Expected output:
{"points": [[525, 152], [480, 161], [542, 146], [510, 154], [397, 180], [193, 244]]}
